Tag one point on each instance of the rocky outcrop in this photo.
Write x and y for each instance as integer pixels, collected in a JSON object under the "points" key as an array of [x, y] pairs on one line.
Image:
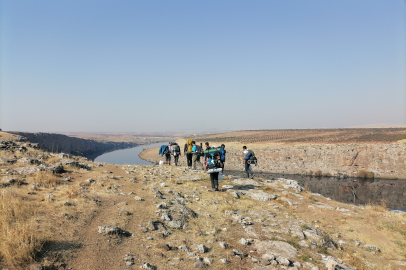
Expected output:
{"points": [[383, 160], [81, 147]]}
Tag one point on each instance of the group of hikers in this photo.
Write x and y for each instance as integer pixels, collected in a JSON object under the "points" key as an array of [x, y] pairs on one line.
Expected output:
{"points": [[214, 158]]}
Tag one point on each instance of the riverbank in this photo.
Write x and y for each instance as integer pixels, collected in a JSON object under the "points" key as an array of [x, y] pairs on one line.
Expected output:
{"points": [[375, 160], [78, 214], [348, 190]]}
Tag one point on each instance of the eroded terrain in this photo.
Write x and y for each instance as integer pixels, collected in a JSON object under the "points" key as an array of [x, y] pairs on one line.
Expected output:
{"points": [[64, 212]]}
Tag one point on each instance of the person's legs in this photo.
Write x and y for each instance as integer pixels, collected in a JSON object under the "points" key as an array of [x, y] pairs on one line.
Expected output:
{"points": [[176, 160], [168, 159], [222, 166], [194, 161], [216, 180], [189, 159], [212, 180], [198, 161], [247, 169]]}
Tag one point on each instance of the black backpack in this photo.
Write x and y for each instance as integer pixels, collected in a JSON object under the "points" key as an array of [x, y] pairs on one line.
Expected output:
{"points": [[175, 149], [199, 151]]}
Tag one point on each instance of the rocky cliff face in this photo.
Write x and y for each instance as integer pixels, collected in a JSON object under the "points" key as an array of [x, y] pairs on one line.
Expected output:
{"points": [[76, 146], [384, 160]]}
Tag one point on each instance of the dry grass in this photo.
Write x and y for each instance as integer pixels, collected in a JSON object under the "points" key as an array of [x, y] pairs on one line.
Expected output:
{"points": [[20, 237], [378, 208], [52, 160], [365, 174], [47, 179]]}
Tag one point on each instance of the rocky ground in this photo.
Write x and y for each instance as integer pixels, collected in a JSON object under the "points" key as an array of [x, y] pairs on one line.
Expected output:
{"points": [[87, 215]]}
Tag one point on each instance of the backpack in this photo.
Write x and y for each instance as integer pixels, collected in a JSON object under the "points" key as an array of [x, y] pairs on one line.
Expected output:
{"points": [[252, 159], [212, 163], [199, 151], [175, 149], [189, 145]]}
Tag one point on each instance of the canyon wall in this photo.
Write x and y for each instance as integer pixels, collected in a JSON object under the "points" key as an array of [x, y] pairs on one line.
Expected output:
{"points": [[383, 160], [82, 147]]}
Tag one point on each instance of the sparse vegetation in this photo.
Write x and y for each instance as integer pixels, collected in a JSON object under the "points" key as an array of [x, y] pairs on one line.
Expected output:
{"points": [[47, 179], [78, 207], [20, 237], [365, 174]]}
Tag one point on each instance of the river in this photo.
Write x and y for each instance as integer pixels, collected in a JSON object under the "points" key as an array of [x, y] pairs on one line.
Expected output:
{"points": [[354, 191], [127, 156]]}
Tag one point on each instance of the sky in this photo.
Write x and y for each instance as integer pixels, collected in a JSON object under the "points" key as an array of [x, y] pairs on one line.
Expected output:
{"points": [[158, 65]]}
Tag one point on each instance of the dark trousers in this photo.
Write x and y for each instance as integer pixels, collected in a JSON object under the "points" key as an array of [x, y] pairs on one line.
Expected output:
{"points": [[247, 169], [168, 158], [176, 158], [189, 157], [214, 178]]}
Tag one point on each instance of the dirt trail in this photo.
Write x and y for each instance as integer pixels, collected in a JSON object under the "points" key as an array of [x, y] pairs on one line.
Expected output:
{"points": [[106, 252]]}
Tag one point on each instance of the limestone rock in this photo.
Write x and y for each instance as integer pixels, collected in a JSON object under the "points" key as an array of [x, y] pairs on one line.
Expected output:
{"points": [[278, 248], [110, 230]]}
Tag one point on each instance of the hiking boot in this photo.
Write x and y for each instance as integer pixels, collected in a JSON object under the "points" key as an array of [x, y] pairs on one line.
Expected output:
{"points": [[216, 189]]}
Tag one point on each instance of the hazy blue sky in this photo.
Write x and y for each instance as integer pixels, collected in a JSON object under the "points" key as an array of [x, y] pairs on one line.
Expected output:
{"points": [[128, 66]]}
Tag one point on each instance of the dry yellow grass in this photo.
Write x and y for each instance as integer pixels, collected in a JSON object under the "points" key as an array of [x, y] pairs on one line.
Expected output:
{"points": [[47, 179], [19, 234]]}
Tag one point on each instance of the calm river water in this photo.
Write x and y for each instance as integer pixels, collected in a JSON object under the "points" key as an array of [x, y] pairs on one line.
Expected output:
{"points": [[127, 156], [354, 191]]}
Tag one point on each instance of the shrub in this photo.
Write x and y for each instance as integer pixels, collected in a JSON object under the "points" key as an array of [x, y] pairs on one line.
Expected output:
{"points": [[365, 174]]}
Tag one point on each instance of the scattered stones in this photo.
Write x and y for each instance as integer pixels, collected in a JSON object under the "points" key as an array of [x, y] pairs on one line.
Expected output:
{"points": [[223, 245], [129, 259], [162, 205], [201, 248], [244, 242], [224, 260], [90, 181], [124, 212], [283, 261], [110, 230], [10, 181], [372, 248], [207, 260], [137, 198], [147, 266]]}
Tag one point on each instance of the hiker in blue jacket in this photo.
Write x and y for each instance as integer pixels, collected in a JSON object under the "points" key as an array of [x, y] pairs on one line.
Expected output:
{"points": [[222, 156], [166, 150], [247, 155], [214, 177], [196, 155]]}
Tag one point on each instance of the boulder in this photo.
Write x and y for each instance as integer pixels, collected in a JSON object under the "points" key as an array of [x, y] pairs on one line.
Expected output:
{"points": [[277, 248]]}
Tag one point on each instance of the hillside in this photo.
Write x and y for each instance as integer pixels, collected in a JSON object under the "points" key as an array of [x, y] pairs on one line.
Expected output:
{"points": [[64, 212], [289, 136]]}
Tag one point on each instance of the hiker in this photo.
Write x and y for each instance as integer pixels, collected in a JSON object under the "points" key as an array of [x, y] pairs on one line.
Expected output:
{"points": [[222, 156], [196, 149], [214, 176], [167, 153], [175, 151], [247, 155], [188, 153], [207, 147]]}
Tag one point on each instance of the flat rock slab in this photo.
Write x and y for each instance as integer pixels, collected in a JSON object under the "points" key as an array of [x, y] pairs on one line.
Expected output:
{"points": [[276, 248], [260, 195], [246, 182]]}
